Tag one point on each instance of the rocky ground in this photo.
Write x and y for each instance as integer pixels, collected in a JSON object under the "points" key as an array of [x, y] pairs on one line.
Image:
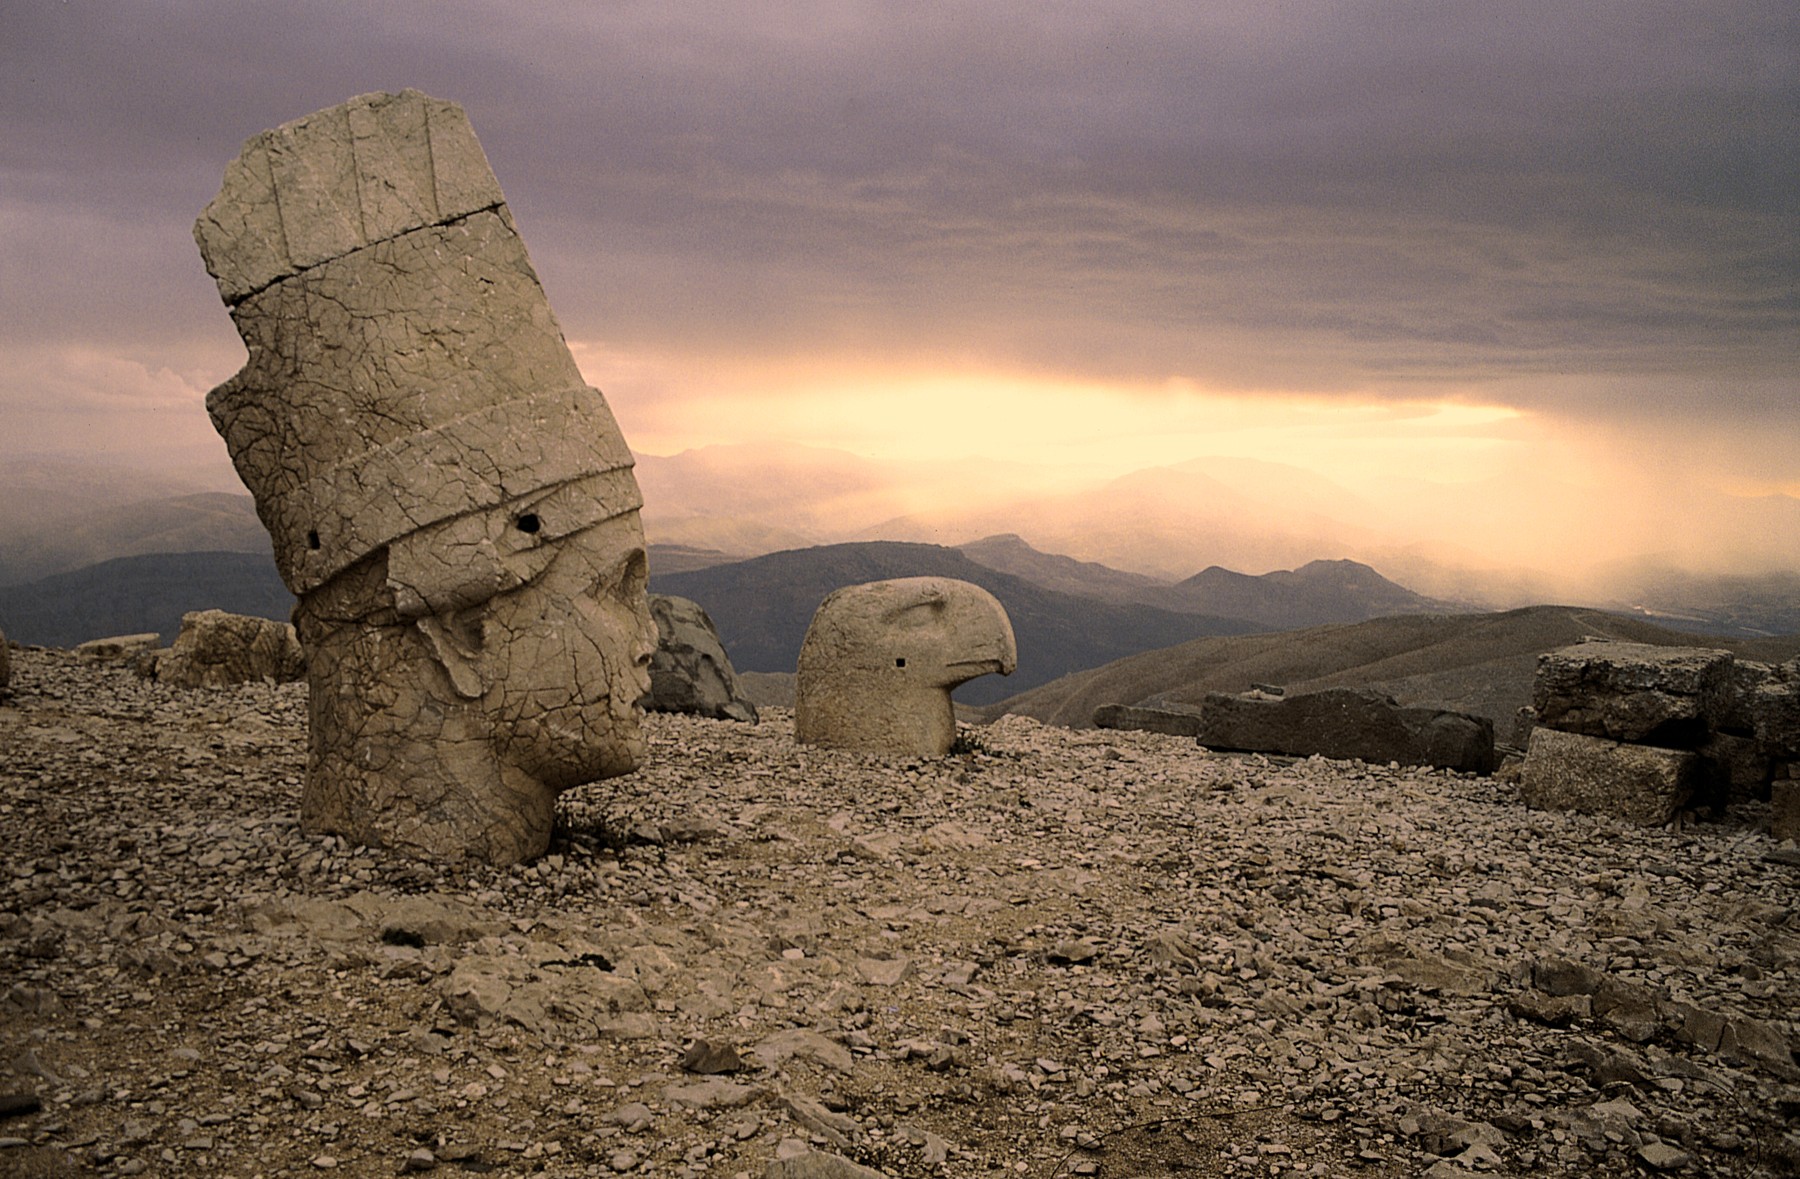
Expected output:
{"points": [[1052, 954]]}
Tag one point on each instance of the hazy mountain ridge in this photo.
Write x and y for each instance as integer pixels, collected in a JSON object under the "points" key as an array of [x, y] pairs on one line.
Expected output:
{"points": [[141, 594], [763, 606]]}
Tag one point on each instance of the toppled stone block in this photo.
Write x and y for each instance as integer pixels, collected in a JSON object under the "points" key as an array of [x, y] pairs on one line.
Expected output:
{"points": [[1595, 776], [1784, 814], [879, 660], [1148, 720], [690, 672], [117, 647], [450, 501], [220, 650], [1662, 696], [1773, 706], [1347, 723]]}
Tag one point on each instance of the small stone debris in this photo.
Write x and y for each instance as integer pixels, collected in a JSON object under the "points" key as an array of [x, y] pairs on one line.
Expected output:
{"points": [[1285, 966]]}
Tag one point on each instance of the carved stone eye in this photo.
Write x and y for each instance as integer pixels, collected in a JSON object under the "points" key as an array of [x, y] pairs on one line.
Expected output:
{"points": [[528, 523]]}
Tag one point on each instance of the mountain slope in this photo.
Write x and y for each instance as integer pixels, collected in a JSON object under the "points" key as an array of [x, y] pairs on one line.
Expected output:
{"points": [[762, 608], [1480, 663], [208, 521], [132, 595]]}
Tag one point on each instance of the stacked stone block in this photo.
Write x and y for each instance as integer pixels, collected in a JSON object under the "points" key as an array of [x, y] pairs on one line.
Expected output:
{"points": [[1640, 731]]}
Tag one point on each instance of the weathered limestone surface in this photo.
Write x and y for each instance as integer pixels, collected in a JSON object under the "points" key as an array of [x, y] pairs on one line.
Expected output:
{"points": [[1347, 723], [690, 671], [1147, 720], [1666, 696], [1636, 783], [117, 646], [219, 650], [1784, 821], [451, 503], [879, 660]]}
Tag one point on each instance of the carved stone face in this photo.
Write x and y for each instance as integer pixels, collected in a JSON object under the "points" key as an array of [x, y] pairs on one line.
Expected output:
{"points": [[567, 660]]}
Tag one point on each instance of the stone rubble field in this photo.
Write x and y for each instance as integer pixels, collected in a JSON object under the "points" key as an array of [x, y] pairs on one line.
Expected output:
{"points": [[1053, 953]]}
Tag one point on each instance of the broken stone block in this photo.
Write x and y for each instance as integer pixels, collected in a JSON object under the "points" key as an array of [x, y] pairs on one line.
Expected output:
{"points": [[1663, 696], [1784, 814], [452, 504], [117, 647], [1347, 723], [1149, 720], [690, 672], [879, 660], [219, 650], [1635, 783]]}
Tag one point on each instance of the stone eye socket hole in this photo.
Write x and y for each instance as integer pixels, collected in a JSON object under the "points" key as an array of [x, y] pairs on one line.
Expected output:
{"points": [[900, 662], [312, 539], [528, 523]]}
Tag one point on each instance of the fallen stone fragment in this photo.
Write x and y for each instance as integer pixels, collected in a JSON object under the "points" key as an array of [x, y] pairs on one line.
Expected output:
{"points": [[818, 1164], [1346, 723], [804, 1044], [1148, 720], [1784, 817], [117, 646], [711, 1094], [710, 1057], [220, 650], [1596, 776], [690, 671], [1660, 1156], [13, 1105]]}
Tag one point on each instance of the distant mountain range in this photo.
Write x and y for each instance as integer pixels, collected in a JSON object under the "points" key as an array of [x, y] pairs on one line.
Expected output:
{"points": [[140, 595], [762, 608]]}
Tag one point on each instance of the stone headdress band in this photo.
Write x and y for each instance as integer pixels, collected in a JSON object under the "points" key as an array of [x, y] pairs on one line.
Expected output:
{"points": [[405, 368]]}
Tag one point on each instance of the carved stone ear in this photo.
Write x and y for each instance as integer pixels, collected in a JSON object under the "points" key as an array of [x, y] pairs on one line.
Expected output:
{"points": [[456, 654]]}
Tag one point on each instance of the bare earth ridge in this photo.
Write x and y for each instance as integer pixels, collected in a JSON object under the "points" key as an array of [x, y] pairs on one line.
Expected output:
{"points": [[1056, 953]]}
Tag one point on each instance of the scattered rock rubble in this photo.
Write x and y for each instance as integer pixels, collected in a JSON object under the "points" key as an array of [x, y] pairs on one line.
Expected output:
{"points": [[1054, 954]]}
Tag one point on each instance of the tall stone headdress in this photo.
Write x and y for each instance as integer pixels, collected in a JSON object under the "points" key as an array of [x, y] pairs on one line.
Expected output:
{"points": [[420, 445]]}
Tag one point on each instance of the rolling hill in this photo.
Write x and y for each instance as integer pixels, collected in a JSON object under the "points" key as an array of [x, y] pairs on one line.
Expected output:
{"points": [[1478, 663]]}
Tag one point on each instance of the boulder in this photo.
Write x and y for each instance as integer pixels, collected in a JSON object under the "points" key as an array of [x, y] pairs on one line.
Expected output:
{"points": [[1637, 783], [879, 660], [690, 671], [219, 650], [1663, 696], [1347, 723], [1149, 720]]}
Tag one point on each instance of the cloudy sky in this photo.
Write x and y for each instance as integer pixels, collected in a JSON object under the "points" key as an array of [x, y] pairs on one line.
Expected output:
{"points": [[1442, 240]]}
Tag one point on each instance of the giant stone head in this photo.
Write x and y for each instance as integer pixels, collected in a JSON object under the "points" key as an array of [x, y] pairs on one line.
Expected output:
{"points": [[452, 504]]}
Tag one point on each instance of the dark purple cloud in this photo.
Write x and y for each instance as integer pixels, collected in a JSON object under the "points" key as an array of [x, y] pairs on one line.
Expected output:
{"points": [[1345, 195]]}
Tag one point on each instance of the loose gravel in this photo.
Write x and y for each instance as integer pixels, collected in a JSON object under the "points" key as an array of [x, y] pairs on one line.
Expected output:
{"points": [[1050, 954]]}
